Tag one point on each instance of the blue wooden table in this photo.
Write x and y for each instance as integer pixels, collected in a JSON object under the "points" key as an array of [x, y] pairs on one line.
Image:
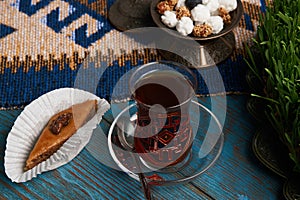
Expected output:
{"points": [[237, 174]]}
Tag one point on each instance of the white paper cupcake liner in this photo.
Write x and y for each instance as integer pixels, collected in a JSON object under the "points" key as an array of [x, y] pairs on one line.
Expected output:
{"points": [[30, 124]]}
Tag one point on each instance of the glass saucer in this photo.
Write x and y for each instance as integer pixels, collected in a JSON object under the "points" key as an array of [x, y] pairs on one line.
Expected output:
{"points": [[206, 148]]}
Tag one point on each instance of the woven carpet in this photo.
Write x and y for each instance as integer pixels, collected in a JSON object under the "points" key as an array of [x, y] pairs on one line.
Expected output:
{"points": [[43, 44]]}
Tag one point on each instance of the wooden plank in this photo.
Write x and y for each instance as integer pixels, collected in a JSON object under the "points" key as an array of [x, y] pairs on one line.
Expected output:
{"points": [[237, 173]]}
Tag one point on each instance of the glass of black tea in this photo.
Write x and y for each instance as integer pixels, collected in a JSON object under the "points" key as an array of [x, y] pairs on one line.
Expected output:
{"points": [[163, 92]]}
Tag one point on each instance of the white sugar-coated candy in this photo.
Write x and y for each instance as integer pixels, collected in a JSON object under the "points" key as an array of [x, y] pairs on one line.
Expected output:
{"points": [[213, 6], [216, 22], [200, 13], [169, 19], [185, 26], [180, 3], [229, 5]]}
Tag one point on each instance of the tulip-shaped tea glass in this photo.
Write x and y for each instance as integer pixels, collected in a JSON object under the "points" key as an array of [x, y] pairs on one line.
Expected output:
{"points": [[163, 92]]}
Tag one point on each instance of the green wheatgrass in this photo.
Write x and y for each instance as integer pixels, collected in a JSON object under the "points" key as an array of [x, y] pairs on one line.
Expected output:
{"points": [[278, 43]]}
